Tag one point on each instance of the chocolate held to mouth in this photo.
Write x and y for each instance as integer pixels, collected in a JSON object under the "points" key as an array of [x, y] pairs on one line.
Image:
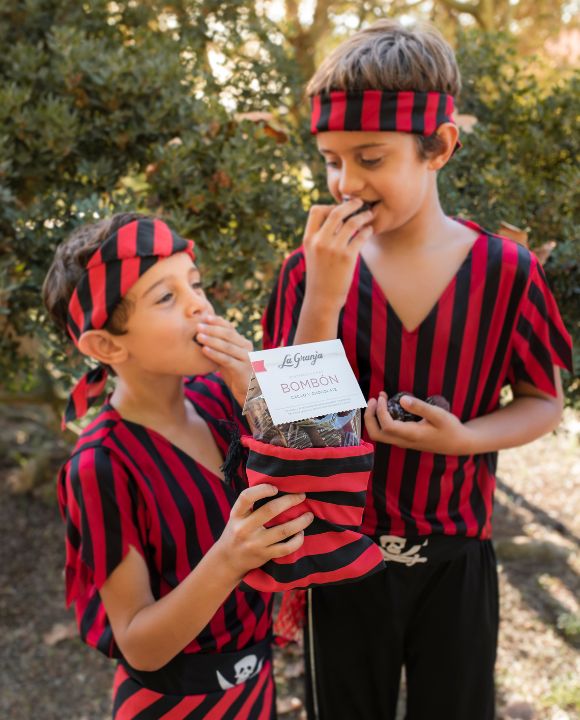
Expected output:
{"points": [[196, 341], [363, 208]]}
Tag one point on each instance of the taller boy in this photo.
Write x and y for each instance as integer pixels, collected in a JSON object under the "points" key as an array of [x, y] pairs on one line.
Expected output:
{"points": [[428, 305]]}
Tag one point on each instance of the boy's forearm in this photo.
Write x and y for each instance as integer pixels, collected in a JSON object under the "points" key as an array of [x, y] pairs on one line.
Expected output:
{"points": [[523, 420], [318, 321], [161, 630]]}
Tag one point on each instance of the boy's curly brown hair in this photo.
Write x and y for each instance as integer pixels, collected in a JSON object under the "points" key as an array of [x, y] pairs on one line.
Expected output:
{"points": [[69, 264]]}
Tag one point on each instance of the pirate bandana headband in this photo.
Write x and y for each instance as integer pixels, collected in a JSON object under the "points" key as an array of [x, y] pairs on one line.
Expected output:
{"points": [[380, 110], [111, 272]]}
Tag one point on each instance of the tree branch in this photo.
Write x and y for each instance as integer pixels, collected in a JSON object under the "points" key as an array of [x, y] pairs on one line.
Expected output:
{"points": [[461, 6], [320, 21]]}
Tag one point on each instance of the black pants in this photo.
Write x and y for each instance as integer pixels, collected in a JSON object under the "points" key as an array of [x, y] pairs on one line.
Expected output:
{"points": [[439, 619]]}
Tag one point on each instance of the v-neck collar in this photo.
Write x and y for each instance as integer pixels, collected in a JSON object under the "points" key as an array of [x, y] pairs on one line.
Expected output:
{"points": [[444, 293], [189, 458]]}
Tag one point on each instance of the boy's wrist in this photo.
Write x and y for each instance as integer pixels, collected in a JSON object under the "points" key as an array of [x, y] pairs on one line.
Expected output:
{"points": [[325, 306], [223, 568], [472, 440]]}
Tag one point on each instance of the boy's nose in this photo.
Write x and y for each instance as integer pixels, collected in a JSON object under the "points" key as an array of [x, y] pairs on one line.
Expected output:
{"points": [[350, 183], [196, 303]]}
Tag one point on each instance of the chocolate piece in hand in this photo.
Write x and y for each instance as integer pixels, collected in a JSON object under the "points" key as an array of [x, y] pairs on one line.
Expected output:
{"points": [[438, 401], [399, 413]]}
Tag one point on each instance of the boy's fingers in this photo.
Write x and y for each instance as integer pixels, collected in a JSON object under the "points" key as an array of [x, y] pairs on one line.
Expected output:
{"points": [[354, 226], [221, 328], [246, 499], [288, 529], [282, 549], [381, 426], [359, 238], [224, 360], [432, 413], [316, 218], [224, 347], [337, 220], [270, 510], [371, 422], [383, 415]]}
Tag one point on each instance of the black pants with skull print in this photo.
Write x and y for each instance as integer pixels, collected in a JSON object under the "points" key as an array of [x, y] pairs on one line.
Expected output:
{"points": [[433, 611]]}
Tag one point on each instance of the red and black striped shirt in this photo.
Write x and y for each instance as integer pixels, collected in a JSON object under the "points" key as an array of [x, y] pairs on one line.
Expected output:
{"points": [[127, 485], [496, 322]]}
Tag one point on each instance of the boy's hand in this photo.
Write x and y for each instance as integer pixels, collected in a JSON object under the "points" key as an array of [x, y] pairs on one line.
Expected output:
{"points": [[438, 432], [331, 248], [224, 345], [247, 544]]}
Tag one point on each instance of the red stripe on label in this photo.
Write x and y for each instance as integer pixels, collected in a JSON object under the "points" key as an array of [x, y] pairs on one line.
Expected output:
{"points": [[259, 366]]}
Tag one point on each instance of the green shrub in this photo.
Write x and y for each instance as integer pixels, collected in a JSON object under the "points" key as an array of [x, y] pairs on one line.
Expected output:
{"points": [[113, 106]]}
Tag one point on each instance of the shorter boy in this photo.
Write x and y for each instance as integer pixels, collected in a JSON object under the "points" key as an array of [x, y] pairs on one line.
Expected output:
{"points": [[156, 541]]}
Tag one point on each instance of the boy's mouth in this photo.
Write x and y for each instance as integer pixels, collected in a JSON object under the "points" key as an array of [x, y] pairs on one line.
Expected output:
{"points": [[363, 208]]}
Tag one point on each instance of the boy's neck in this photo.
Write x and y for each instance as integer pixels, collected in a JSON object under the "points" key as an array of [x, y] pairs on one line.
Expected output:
{"points": [[151, 400]]}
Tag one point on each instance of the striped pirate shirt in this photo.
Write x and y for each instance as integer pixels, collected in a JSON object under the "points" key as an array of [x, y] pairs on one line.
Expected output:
{"points": [[496, 322], [127, 485]]}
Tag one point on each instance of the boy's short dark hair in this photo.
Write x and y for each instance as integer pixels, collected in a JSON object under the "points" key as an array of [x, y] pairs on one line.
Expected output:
{"points": [[389, 56], [69, 264]]}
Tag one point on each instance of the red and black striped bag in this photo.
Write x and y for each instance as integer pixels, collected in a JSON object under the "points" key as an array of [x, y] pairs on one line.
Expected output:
{"points": [[335, 481]]}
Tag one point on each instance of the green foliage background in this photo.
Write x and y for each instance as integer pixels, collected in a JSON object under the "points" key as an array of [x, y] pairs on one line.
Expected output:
{"points": [[110, 106]]}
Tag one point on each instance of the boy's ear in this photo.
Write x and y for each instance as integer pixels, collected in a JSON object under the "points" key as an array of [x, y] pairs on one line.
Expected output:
{"points": [[449, 134], [102, 346]]}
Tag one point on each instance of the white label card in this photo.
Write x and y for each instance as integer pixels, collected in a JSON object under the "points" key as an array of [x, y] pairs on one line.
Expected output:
{"points": [[304, 381]]}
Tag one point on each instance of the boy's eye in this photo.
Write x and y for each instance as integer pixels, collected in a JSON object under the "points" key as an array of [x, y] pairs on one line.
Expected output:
{"points": [[331, 163], [370, 162], [165, 298], [197, 285]]}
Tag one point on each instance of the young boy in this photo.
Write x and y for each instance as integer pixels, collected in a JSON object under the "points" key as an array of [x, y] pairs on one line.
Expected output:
{"points": [[156, 541], [424, 304]]}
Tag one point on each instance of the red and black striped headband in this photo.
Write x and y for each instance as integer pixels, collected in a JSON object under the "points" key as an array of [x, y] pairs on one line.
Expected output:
{"points": [[109, 275], [381, 110]]}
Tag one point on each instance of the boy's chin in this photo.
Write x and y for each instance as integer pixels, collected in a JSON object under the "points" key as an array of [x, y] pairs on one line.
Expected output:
{"points": [[203, 367]]}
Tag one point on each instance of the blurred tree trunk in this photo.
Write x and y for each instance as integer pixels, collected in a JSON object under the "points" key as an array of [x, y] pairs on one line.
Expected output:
{"points": [[305, 39]]}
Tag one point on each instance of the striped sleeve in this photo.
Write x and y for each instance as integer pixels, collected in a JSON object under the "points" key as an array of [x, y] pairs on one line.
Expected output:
{"points": [[283, 311], [541, 339], [99, 506]]}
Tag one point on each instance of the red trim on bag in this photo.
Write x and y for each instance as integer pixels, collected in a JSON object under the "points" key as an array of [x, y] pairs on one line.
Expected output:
{"points": [[310, 453]]}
